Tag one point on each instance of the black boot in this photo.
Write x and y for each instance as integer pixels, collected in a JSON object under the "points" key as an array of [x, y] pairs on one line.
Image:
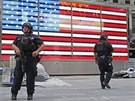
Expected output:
{"points": [[30, 97], [14, 97], [106, 85], [102, 87]]}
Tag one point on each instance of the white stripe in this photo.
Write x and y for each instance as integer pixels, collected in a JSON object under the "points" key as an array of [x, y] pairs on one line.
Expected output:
{"points": [[98, 20], [96, 28], [119, 46], [65, 8], [83, 53], [46, 43], [7, 52], [67, 44], [86, 27], [55, 52], [86, 10], [114, 21], [40, 33], [117, 38], [120, 54], [57, 43], [65, 26], [64, 53], [92, 45], [86, 19], [114, 29], [7, 41], [65, 35], [83, 44], [98, 36], [55, 34], [113, 13], [86, 36], [14, 32], [65, 17], [79, 27], [92, 53]]}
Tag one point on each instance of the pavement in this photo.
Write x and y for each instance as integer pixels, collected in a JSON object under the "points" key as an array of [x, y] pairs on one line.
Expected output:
{"points": [[76, 88]]}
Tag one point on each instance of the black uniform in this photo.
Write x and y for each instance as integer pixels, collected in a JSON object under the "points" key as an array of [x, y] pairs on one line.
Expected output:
{"points": [[103, 51], [27, 44]]}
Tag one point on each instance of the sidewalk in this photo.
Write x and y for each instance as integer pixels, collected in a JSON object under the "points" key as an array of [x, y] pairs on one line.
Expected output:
{"points": [[77, 88]]}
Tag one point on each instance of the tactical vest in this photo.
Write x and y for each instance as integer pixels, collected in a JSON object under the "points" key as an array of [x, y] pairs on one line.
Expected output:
{"points": [[26, 44]]}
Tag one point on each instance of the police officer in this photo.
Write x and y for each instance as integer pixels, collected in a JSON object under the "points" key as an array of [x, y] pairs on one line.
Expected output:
{"points": [[27, 48], [103, 56]]}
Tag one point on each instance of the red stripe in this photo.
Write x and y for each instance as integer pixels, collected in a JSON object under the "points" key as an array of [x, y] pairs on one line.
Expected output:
{"points": [[57, 57], [83, 49], [5, 46], [86, 49], [118, 42], [65, 30], [83, 58], [113, 17], [10, 37], [86, 14], [115, 33], [79, 5], [7, 57], [120, 58], [86, 40], [65, 4], [90, 40], [65, 12], [46, 38], [114, 9], [80, 31], [81, 14], [64, 48], [125, 50], [123, 58], [114, 25], [61, 48], [94, 32]]}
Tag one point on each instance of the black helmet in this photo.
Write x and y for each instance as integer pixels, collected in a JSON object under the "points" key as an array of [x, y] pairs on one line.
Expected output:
{"points": [[103, 37], [27, 24]]}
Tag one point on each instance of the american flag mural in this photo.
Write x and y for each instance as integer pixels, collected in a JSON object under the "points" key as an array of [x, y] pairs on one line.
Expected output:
{"points": [[69, 30]]}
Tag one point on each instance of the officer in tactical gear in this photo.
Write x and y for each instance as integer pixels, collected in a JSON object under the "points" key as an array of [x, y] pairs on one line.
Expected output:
{"points": [[103, 56], [27, 48]]}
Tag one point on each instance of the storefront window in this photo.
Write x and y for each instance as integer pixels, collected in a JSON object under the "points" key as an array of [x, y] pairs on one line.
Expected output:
{"points": [[115, 1], [127, 1]]}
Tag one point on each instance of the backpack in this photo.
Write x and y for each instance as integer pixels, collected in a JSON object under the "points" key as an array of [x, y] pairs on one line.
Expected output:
{"points": [[101, 47]]}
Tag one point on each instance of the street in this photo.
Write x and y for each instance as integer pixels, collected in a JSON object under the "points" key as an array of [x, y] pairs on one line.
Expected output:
{"points": [[77, 88]]}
